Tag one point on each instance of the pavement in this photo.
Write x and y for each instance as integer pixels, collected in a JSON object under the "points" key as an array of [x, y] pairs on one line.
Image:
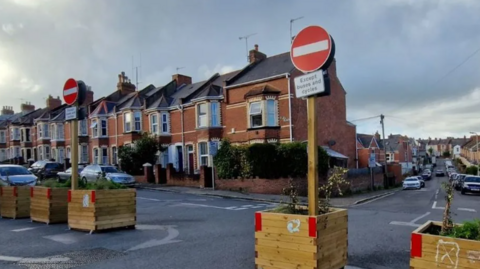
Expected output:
{"points": [[183, 230]]}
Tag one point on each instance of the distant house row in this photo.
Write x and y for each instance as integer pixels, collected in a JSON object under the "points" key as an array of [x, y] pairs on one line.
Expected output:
{"points": [[255, 104]]}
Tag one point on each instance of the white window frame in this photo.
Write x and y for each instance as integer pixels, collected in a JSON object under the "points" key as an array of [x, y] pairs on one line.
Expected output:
{"points": [[3, 137], [43, 131], [60, 155], [94, 127], [202, 118], [100, 130], [127, 122], [139, 121], [83, 153], [205, 155], [268, 113], [165, 122], [154, 124], [256, 113], [60, 132], [82, 128], [215, 116]]}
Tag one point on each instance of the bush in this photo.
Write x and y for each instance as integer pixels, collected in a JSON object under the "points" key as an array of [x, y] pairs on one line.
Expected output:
{"points": [[471, 170], [446, 154], [266, 160], [133, 157], [468, 230], [100, 184]]}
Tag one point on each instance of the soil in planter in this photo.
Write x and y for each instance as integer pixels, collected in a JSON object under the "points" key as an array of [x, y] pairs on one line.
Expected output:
{"points": [[286, 209]]}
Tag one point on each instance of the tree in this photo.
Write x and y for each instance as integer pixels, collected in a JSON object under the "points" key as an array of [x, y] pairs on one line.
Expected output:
{"points": [[430, 150], [446, 154], [144, 150]]}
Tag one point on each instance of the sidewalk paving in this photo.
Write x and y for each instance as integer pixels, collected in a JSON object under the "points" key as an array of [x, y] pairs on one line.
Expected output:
{"points": [[337, 202]]}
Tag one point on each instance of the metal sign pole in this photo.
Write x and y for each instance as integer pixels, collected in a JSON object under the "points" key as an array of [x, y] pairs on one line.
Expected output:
{"points": [[74, 158], [312, 157]]}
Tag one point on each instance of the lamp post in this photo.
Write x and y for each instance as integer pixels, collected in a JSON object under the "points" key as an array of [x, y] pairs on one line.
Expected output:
{"points": [[476, 151]]}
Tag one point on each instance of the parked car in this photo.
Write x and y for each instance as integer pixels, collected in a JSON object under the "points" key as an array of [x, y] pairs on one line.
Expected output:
{"points": [[427, 175], [94, 172], [46, 169], [64, 176], [422, 181], [411, 183], [16, 175], [471, 184], [458, 181], [439, 173]]}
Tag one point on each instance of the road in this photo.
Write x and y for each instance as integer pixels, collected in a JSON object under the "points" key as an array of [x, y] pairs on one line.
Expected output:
{"points": [[183, 231]]}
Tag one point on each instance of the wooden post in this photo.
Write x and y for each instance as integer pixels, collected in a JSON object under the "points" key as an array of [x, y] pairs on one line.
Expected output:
{"points": [[312, 157], [74, 157]]}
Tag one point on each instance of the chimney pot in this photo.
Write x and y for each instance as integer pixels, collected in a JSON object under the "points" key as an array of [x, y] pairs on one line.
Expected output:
{"points": [[256, 47]]}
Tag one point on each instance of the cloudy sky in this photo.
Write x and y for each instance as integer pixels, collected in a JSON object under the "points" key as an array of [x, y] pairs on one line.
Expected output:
{"points": [[410, 60]]}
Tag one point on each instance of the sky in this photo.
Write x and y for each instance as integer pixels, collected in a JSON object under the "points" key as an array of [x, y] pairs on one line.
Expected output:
{"points": [[413, 61]]}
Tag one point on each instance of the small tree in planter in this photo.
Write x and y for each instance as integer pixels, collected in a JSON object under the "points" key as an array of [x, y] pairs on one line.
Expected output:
{"points": [[102, 205], [446, 244], [287, 237]]}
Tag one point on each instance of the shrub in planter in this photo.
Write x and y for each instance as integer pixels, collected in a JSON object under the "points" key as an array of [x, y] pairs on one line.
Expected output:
{"points": [[101, 206], [445, 244], [15, 202], [287, 237], [49, 202]]}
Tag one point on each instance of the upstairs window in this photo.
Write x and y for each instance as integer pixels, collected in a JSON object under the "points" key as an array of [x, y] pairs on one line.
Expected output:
{"points": [[256, 118], [60, 131], [94, 127], [104, 127], [215, 115], [154, 123], [138, 121], [2, 137], [165, 119], [202, 115], [271, 113], [127, 119], [82, 128]]}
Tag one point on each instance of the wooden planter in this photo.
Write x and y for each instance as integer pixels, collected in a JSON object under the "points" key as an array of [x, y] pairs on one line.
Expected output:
{"points": [[15, 202], [49, 205], [299, 241], [95, 210], [435, 251]]}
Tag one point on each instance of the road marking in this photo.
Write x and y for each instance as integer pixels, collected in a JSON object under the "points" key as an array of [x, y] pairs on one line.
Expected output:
{"points": [[233, 208], [24, 229], [421, 217], [66, 238], [33, 260], [172, 234], [467, 209], [434, 206], [176, 200], [149, 199], [402, 223]]}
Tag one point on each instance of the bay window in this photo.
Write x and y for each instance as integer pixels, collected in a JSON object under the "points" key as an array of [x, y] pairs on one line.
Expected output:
{"points": [[14, 133], [208, 114], [127, 122], [214, 114], [154, 123], [202, 115], [255, 113], [263, 113], [104, 131], [271, 113], [165, 119], [94, 127], [43, 131], [138, 121]]}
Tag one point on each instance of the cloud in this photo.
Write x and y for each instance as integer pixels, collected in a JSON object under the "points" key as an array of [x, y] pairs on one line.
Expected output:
{"points": [[205, 72]]}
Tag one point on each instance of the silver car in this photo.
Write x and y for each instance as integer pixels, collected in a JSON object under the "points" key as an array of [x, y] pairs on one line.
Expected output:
{"points": [[94, 172], [64, 176], [16, 175]]}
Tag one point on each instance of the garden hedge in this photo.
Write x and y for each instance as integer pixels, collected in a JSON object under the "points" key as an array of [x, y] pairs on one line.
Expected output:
{"points": [[266, 160]]}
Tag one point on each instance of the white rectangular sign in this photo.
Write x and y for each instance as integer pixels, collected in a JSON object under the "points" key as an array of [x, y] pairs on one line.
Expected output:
{"points": [[71, 113], [309, 84]]}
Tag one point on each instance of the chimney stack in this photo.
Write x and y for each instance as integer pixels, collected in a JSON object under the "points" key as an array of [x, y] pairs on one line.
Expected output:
{"points": [[53, 103], [256, 56], [377, 136], [124, 84], [27, 107], [7, 110], [89, 96], [182, 79]]}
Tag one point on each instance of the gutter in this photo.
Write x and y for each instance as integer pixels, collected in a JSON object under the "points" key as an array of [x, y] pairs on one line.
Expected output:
{"points": [[257, 81], [287, 76]]}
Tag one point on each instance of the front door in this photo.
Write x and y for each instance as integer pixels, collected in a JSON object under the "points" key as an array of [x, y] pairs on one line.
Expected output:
{"points": [[180, 159], [190, 163]]}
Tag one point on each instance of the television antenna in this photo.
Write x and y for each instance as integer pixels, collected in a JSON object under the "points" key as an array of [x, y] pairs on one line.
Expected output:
{"points": [[178, 68], [246, 43]]}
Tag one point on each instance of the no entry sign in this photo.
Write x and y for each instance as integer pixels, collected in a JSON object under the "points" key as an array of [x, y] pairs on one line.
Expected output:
{"points": [[70, 91], [311, 49]]}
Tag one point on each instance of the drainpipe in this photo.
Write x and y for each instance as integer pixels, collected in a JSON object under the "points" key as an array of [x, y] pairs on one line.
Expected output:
{"points": [[287, 76], [356, 148], [116, 135], [180, 107]]}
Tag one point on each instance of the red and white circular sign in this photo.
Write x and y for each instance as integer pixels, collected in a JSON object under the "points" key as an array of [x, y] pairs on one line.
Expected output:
{"points": [[311, 49], [70, 91]]}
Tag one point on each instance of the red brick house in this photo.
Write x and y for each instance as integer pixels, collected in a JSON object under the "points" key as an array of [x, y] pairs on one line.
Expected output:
{"points": [[252, 105], [366, 145], [399, 150]]}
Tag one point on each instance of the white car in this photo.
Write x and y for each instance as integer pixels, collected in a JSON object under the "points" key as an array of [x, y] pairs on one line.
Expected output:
{"points": [[412, 183]]}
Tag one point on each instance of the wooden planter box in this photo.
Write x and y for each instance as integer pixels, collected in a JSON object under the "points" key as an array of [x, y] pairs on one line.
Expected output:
{"points": [[95, 210], [435, 251], [299, 241], [15, 202], [49, 205]]}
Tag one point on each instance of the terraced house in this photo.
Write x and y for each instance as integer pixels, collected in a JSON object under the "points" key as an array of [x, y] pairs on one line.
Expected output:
{"points": [[253, 105]]}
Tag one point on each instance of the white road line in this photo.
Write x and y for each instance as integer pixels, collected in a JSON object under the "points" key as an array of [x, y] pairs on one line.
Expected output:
{"points": [[434, 204], [149, 199], [467, 209], [24, 229], [33, 260], [421, 217], [310, 48], [401, 223]]}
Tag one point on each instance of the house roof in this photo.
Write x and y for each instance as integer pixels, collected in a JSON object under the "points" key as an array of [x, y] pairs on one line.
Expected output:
{"points": [[269, 67], [103, 109], [366, 140], [262, 89]]}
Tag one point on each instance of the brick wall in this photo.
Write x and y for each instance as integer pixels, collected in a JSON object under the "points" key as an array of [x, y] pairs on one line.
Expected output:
{"points": [[396, 170], [260, 185]]}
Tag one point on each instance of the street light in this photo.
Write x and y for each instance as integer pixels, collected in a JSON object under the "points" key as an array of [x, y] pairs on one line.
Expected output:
{"points": [[476, 151]]}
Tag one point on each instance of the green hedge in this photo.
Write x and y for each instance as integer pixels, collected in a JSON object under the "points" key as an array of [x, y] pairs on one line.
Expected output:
{"points": [[266, 160]]}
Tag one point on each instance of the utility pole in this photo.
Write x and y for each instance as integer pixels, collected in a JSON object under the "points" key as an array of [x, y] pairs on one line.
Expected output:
{"points": [[385, 183], [291, 23]]}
